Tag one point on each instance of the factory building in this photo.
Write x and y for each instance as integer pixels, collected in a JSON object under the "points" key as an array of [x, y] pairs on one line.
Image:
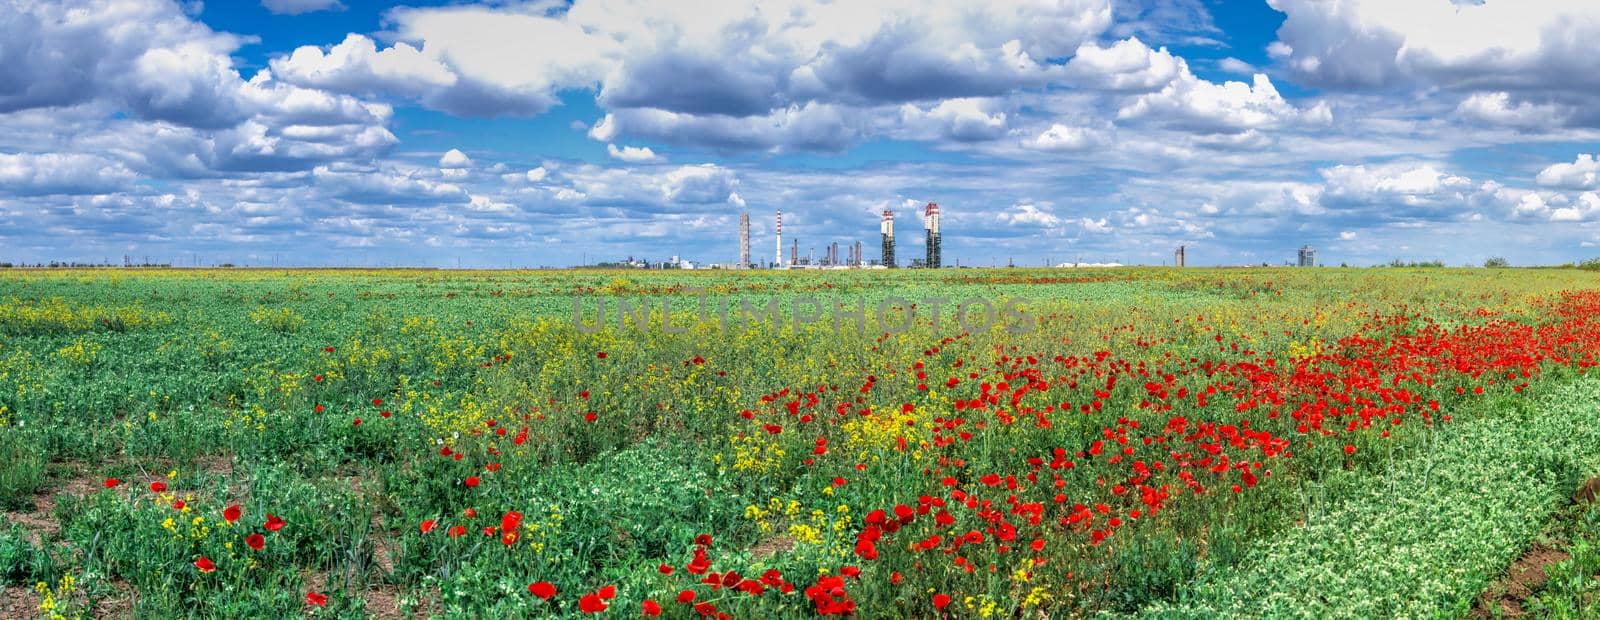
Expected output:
{"points": [[1308, 257]]}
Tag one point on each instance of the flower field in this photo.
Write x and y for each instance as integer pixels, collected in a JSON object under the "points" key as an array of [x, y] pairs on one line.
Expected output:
{"points": [[1159, 443]]}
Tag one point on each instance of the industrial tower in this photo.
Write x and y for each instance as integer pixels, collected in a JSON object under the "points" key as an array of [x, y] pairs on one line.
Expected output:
{"points": [[930, 225], [777, 259], [744, 240], [1178, 257], [888, 238]]}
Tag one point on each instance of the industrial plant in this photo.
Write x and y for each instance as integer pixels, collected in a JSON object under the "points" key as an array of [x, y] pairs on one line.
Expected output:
{"points": [[854, 255]]}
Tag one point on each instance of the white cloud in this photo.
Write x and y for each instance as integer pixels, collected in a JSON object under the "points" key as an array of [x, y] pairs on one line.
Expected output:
{"points": [[1586, 209], [1530, 45], [1584, 173], [1348, 235], [1401, 181], [632, 154], [963, 120], [1128, 65], [537, 174], [56, 173], [729, 57], [454, 159], [296, 7], [704, 183], [1060, 137], [1096, 226], [1237, 67], [1200, 105], [1028, 214], [1496, 109]]}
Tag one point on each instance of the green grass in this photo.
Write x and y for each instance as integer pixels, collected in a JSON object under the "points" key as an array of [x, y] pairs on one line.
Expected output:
{"points": [[1424, 539]]}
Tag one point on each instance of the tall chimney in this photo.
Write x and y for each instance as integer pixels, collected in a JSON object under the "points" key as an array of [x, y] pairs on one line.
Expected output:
{"points": [[887, 228], [777, 260]]}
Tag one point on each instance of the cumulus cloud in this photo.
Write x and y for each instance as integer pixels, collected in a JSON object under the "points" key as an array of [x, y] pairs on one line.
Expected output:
{"points": [[1584, 173], [61, 173], [178, 103], [1029, 214], [730, 58], [1200, 105], [632, 154], [960, 120], [454, 159], [1537, 50], [1127, 65], [1497, 109], [1406, 183], [1061, 137], [705, 183]]}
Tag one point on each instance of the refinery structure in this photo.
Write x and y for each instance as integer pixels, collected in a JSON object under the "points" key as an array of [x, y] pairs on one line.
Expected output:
{"points": [[853, 255]]}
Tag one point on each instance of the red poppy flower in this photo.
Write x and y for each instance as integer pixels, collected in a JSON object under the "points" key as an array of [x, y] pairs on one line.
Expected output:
{"points": [[158, 486], [317, 408], [601, 355], [312, 598], [232, 513], [589, 417], [664, 569], [274, 523], [458, 531], [111, 483], [685, 597], [472, 481], [607, 593], [377, 402], [205, 565], [542, 589], [427, 526], [1349, 449], [592, 604], [256, 541], [650, 608], [941, 601]]}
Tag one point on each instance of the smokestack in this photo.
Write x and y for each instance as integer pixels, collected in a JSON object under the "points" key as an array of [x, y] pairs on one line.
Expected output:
{"points": [[856, 261], [777, 259], [887, 229], [744, 241], [794, 252], [930, 225]]}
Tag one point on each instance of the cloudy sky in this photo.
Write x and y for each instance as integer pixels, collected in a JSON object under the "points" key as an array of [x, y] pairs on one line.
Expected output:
{"points": [[547, 132]]}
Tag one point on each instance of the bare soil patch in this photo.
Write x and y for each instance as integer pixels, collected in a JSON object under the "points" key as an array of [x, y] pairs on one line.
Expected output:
{"points": [[18, 602]]}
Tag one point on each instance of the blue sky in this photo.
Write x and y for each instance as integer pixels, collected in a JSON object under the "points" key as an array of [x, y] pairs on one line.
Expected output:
{"points": [[541, 133]]}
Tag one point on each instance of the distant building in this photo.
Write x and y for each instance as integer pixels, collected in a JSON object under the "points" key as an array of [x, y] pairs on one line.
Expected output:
{"points": [[1308, 257], [744, 241], [1179, 258], [888, 239]]}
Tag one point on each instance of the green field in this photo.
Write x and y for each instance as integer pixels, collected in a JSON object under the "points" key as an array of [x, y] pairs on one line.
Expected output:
{"points": [[1125, 442]]}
